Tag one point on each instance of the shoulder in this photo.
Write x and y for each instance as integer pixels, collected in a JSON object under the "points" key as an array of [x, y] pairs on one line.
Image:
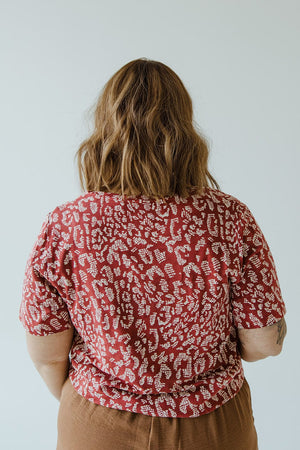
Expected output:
{"points": [[64, 213], [225, 202]]}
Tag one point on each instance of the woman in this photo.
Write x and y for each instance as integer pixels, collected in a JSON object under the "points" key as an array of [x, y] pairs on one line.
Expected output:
{"points": [[142, 295]]}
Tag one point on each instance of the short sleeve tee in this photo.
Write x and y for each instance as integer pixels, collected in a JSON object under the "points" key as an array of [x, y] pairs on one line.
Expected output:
{"points": [[155, 293], [256, 294], [43, 310]]}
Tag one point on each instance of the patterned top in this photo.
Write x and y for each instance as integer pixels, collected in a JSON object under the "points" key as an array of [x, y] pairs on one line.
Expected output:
{"points": [[155, 293]]}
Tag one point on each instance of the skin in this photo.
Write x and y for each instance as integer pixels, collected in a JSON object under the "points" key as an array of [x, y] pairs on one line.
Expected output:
{"points": [[50, 355], [259, 343]]}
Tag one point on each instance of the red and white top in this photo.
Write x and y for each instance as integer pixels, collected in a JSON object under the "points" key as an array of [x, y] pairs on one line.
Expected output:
{"points": [[154, 292]]}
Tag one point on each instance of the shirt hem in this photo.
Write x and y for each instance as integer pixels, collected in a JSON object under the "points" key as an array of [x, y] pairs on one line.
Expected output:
{"points": [[184, 405]]}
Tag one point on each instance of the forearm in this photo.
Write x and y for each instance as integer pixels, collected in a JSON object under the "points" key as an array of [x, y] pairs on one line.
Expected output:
{"points": [[54, 374]]}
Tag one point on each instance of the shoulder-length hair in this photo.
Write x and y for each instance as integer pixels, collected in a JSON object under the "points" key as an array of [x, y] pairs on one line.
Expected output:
{"points": [[144, 140]]}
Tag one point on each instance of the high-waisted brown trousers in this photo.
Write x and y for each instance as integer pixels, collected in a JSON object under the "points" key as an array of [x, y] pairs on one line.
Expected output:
{"points": [[84, 425]]}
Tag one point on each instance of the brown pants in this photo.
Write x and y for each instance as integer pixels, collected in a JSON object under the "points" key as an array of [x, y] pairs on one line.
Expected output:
{"points": [[83, 425]]}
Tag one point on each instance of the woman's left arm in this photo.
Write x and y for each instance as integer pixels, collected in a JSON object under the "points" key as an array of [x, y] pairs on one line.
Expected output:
{"points": [[54, 374], [50, 355]]}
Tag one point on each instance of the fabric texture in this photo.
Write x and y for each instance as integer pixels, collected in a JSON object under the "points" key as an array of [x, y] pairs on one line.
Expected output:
{"points": [[155, 292], [82, 424]]}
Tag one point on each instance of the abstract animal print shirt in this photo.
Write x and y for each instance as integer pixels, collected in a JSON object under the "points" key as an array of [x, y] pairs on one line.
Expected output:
{"points": [[155, 292]]}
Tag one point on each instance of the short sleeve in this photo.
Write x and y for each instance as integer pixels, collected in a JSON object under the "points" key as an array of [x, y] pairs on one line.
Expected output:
{"points": [[256, 296], [42, 311]]}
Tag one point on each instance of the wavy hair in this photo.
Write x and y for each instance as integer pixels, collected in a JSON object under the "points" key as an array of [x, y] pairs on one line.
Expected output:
{"points": [[144, 141]]}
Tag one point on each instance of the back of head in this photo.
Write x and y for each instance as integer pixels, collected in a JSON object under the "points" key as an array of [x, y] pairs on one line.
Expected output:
{"points": [[144, 139]]}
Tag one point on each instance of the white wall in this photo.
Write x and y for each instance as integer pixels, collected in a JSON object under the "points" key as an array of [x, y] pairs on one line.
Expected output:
{"points": [[240, 62]]}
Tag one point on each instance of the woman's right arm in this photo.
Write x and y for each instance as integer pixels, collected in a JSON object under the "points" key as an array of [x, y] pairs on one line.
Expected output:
{"points": [[259, 343]]}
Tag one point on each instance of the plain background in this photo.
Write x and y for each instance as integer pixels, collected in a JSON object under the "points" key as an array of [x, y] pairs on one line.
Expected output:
{"points": [[239, 61]]}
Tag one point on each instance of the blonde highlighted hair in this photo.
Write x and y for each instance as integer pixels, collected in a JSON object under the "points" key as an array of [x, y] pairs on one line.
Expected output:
{"points": [[144, 139]]}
